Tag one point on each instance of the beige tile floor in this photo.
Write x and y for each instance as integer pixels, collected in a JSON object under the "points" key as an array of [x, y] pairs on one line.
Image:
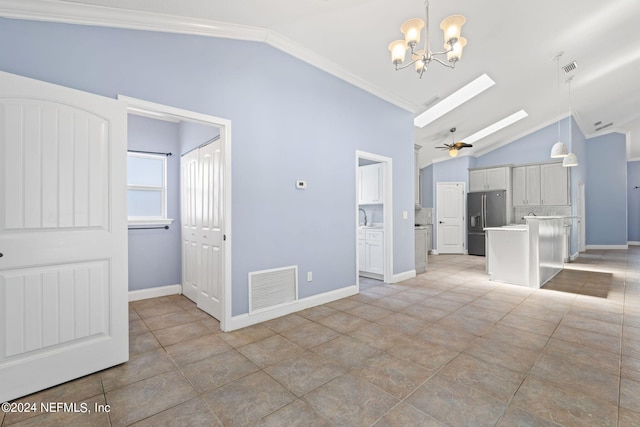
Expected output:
{"points": [[446, 348]]}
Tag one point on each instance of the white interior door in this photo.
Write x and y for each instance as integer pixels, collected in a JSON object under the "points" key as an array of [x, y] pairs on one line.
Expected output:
{"points": [[189, 194], [63, 235], [203, 226], [210, 223], [450, 216]]}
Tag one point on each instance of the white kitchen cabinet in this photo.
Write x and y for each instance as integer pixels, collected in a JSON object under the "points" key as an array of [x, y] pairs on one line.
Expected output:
{"points": [[526, 185], [554, 183], [371, 254], [489, 179], [421, 244], [371, 190]]}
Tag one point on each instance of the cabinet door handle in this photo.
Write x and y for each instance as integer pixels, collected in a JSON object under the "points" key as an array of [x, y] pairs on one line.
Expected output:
{"points": [[440, 222]]}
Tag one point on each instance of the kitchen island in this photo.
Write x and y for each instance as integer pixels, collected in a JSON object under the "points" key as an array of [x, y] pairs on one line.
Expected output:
{"points": [[526, 254]]}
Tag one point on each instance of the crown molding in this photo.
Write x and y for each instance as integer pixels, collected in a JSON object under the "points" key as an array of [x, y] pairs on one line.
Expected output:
{"points": [[84, 14]]}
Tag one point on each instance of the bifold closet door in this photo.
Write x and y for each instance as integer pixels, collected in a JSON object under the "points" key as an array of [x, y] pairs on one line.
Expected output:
{"points": [[203, 225]]}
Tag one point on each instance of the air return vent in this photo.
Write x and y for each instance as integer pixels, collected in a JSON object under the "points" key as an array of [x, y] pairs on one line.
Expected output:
{"points": [[271, 288], [570, 67], [604, 126]]}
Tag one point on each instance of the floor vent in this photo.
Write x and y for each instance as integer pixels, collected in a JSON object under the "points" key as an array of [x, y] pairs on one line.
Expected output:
{"points": [[271, 288]]}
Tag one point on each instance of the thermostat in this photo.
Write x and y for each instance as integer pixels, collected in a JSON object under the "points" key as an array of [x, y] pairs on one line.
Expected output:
{"points": [[301, 184]]}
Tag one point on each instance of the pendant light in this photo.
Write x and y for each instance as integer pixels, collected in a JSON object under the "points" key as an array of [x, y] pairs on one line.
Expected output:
{"points": [[571, 159], [559, 149]]}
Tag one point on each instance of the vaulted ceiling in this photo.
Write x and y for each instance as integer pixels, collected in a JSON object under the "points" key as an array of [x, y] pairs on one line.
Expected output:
{"points": [[514, 42]]}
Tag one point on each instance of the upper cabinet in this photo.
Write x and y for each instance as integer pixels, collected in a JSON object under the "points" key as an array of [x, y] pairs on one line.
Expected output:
{"points": [[489, 179], [371, 190], [526, 185], [540, 185], [554, 180]]}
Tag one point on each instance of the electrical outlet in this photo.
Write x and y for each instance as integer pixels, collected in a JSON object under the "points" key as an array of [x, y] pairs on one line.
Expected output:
{"points": [[405, 215], [309, 276]]}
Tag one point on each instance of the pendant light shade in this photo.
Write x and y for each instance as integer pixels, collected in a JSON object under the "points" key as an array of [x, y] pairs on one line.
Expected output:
{"points": [[453, 152], [570, 161], [559, 150]]}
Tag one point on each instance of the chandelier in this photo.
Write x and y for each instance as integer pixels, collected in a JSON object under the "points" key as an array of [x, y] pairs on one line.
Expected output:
{"points": [[412, 29]]}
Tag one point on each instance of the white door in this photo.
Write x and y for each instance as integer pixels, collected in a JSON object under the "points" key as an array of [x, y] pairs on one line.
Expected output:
{"points": [[188, 194], [450, 217], [63, 235], [202, 227]]}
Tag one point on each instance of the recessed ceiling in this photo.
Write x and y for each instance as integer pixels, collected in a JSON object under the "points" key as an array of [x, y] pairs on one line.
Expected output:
{"points": [[514, 42]]}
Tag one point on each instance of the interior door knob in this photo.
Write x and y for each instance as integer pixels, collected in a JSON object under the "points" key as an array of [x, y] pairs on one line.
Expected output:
{"points": [[1, 254], [440, 222]]}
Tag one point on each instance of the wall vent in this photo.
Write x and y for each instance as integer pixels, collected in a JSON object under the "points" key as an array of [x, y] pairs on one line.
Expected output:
{"points": [[271, 288], [604, 126], [570, 67]]}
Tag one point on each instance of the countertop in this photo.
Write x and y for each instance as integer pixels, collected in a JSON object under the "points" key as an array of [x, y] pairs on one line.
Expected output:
{"points": [[371, 227]]}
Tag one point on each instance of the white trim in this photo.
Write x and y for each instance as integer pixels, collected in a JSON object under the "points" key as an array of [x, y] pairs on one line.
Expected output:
{"points": [[433, 252], [144, 222], [607, 247], [574, 256], [400, 277], [85, 14], [387, 212], [633, 243], [244, 320], [136, 106], [159, 291]]}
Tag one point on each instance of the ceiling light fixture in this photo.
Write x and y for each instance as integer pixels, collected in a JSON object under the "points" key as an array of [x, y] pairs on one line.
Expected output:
{"points": [[500, 124], [454, 147], [412, 29], [454, 100]]}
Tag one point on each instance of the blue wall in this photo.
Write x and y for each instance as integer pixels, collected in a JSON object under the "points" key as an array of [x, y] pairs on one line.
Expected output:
{"points": [[533, 148], [154, 255], [606, 200], [578, 175], [290, 121], [633, 200]]}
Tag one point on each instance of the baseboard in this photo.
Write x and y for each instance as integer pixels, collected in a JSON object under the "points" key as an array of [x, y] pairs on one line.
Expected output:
{"points": [[607, 247], [403, 276], [574, 256], [433, 252], [633, 243], [244, 320], [160, 291]]}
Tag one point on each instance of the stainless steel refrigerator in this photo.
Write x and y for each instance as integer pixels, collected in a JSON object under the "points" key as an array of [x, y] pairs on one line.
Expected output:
{"points": [[485, 209]]}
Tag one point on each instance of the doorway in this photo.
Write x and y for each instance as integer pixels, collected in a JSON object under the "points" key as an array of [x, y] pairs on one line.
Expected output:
{"points": [[216, 298], [450, 217], [374, 218]]}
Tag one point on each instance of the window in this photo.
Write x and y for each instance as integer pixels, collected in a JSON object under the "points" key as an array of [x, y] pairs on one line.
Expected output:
{"points": [[147, 188]]}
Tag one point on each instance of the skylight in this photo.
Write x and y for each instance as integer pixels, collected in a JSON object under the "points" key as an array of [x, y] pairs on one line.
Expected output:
{"points": [[454, 100], [496, 127]]}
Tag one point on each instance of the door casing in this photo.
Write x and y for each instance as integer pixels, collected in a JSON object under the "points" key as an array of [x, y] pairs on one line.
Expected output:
{"points": [[160, 111]]}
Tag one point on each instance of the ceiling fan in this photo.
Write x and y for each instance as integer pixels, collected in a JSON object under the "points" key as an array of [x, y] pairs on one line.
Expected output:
{"points": [[454, 147]]}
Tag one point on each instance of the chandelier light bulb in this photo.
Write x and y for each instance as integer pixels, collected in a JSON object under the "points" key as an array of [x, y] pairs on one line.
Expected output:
{"points": [[452, 27], [411, 30], [453, 152], [456, 50], [398, 50]]}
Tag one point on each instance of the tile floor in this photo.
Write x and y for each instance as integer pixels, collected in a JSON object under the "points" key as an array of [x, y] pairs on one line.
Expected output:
{"points": [[445, 348]]}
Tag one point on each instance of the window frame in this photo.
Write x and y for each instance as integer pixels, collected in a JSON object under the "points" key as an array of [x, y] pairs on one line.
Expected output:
{"points": [[150, 220]]}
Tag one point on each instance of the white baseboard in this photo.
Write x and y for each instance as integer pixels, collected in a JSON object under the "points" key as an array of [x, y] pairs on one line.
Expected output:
{"points": [[633, 243], [403, 276], [574, 256], [160, 291], [244, 320], [607, 246], [433, 252]]}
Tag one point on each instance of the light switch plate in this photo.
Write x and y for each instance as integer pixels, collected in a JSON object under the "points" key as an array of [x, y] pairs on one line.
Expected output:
{"points": [[301, 184]]}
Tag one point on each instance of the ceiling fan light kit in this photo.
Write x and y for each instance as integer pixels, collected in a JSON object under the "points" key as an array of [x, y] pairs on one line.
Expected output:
{"points": [[454, 147], [412, 30]]}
